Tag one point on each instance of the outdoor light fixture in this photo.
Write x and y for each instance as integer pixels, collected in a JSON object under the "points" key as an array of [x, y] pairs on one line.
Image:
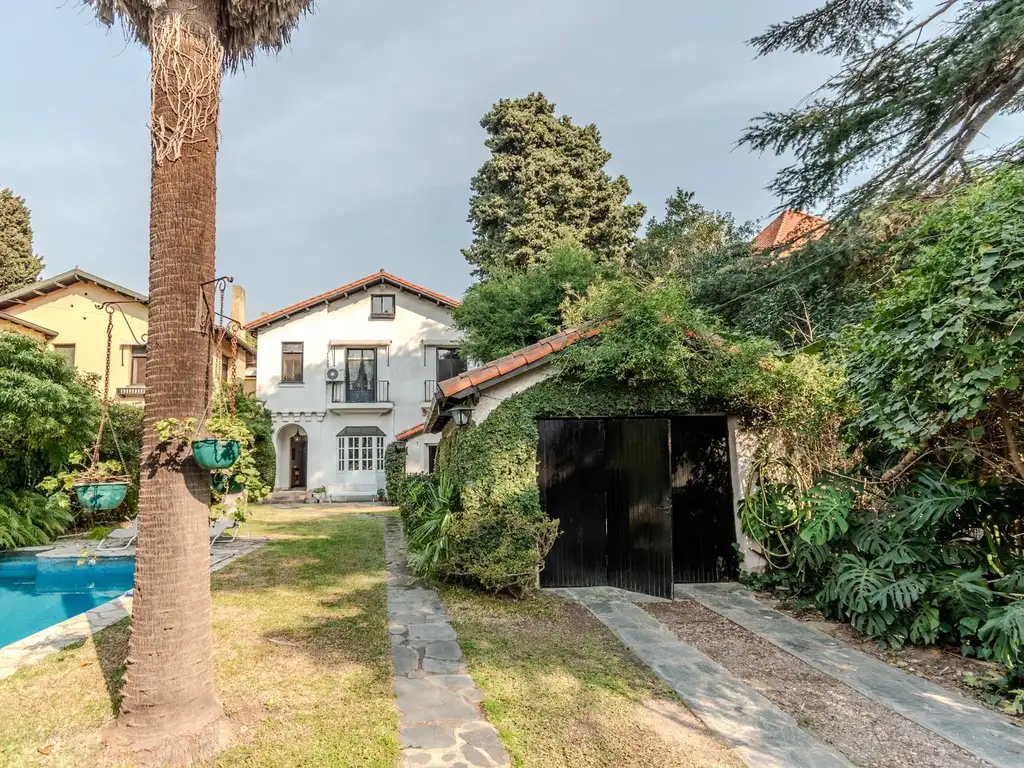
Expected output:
{"points": [[461, 414]]}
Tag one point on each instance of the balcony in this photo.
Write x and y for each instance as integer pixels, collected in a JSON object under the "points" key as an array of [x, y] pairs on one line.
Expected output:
{"points": [[374, 395], [429, 388], [135, 390]]}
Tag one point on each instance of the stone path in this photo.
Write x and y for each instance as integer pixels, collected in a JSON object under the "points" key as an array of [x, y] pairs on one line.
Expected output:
{"points": [[440, 721], [761, 734], [955, 718]]}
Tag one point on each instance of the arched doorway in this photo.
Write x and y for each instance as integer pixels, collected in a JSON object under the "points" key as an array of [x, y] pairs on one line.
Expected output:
{"points": [[293, 453]]}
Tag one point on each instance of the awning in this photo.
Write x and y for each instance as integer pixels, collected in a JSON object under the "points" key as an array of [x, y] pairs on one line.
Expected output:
{"points": [[361, 432], [360, 342]]}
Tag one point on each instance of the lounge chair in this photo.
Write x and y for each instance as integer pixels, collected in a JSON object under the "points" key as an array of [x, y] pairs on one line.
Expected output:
{"points": [[221, 526], [121, 538]]}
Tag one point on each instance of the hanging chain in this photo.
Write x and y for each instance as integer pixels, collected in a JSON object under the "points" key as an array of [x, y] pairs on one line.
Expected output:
{"points": [[106, 386], [234, 366]]}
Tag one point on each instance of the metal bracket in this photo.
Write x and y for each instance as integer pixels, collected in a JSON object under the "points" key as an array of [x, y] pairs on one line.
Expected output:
{"points": [[110, 306]]}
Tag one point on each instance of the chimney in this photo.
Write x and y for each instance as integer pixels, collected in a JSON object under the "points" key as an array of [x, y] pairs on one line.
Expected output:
{"points": [[238, 304]]}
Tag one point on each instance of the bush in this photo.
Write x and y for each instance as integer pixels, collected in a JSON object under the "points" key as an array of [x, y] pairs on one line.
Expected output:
{"points": [[433, 505], [29, 519], [394, 470]]}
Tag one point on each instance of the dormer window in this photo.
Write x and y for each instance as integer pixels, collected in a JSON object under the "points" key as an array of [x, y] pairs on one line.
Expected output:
{"points": [[382, 307]]}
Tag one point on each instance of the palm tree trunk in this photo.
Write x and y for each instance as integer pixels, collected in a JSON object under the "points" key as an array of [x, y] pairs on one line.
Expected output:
{"points": [[170, 708]]}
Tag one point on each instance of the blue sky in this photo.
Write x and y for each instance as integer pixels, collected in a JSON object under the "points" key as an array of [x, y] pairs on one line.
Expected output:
{"points": [[352, 151]]}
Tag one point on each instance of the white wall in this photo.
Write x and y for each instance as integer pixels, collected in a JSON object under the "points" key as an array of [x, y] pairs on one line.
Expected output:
{"points": [[402, 360], [417, 458]]}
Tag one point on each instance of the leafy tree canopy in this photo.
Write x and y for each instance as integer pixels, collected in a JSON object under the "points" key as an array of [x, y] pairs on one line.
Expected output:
{"points": [[46, 411], [545, 183], [686, 241], [514, 308], [912, 95], [18, 266], [939, 363]]}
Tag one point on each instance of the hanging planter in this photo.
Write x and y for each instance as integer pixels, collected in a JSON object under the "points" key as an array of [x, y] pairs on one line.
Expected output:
{"points": [[222, 484], [216, 453], [101, 496]]}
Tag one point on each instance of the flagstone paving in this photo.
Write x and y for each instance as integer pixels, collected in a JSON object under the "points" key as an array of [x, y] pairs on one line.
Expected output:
{"points": [[441, 724], [760, 732], [981, 732]]}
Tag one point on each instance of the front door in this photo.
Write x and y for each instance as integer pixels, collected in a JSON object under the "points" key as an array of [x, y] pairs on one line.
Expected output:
{"points": [[297, 461]]}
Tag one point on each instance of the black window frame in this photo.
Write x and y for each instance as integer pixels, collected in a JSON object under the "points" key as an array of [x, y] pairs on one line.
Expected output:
{"points": [[382, 315], [437, 362], [302, 360]]}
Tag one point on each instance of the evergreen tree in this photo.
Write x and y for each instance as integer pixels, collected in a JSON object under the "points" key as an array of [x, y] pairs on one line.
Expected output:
{"points": [[688, 241], [545, 183], [911, 97], [18, 266]]}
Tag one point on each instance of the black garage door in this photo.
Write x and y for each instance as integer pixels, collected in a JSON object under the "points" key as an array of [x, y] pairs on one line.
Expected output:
{"points": [[641, 503]]}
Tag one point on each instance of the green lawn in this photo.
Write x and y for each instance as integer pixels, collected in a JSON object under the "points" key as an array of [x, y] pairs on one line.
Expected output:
{"points": [[302, 659], [563, 691]]}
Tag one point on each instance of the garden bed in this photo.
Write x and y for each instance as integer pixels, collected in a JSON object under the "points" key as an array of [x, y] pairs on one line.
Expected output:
{"points": [[866, 732]]}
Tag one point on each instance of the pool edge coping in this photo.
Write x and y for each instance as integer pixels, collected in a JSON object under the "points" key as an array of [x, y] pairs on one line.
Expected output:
{"points": [[32, 649]]}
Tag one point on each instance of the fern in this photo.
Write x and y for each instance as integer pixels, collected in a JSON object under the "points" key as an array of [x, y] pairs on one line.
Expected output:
{"points": [[29, 519], [1004, 633], [829, 508]]}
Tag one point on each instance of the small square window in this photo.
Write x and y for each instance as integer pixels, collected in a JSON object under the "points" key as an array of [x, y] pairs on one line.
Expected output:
{"points": [[382, 306], [67, 351]]}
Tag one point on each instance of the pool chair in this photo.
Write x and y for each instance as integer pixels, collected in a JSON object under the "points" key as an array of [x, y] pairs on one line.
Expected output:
{"points": [[223, 525], [121, 538]]}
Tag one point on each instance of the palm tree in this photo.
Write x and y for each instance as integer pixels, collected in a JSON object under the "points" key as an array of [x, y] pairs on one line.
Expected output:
{"points": [[170, 709]]}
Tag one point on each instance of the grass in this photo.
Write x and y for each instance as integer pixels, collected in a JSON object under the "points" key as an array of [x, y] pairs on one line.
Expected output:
{"points": [[302, 662], [562, 690]]}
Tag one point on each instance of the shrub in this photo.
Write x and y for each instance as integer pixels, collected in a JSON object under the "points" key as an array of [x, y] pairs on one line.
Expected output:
{"points": [[433, 506], [394, 470], [30, 519]]}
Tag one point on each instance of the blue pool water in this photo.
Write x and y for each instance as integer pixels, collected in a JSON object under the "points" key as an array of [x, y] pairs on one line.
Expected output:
{"points": [[37, 592]]}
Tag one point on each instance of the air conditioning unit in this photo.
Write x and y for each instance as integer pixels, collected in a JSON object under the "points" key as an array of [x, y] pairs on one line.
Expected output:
{"points": [[335, 374]]}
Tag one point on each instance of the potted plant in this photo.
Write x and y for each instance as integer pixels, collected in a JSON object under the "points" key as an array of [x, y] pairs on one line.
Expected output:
{"points": [[98, 485], [319, 494], [227, 482], [381, 494], [218, 449]]}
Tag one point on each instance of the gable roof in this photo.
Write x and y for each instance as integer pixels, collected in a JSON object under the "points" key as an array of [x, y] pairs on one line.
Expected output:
{"points": [[377, 278], [61, 281], [497, 371], [790, 230], [410, 432], [26, 324]]}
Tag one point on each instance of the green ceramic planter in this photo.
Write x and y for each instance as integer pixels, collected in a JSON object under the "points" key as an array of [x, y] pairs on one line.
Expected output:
{"points": [[213, 453], [218, 484], [98, 496]]}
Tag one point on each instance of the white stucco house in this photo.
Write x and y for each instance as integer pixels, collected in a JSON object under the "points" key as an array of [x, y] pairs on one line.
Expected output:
{"points": [[345, 371]]}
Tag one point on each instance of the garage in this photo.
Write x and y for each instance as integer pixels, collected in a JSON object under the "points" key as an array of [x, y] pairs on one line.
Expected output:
{"points": [[642, 503]]}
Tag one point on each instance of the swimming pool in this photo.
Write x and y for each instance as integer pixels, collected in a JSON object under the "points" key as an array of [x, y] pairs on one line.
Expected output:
{"points": [[38, 592]]}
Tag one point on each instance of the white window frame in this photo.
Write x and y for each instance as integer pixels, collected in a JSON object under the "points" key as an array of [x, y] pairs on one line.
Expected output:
{"points": [[361, 453]]}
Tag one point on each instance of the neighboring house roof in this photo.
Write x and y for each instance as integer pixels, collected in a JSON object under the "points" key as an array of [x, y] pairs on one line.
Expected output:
{"points": [[61, 281], [26, 324], [410, 432], [377, 278], [497, 371], [792, 229]]}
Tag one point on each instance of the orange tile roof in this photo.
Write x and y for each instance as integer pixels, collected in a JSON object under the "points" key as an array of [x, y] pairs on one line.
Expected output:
{"points": [[382, 277], [790, 230], [513, 362], [410, 432]]}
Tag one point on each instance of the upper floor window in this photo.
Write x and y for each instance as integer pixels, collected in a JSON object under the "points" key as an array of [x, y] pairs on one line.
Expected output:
{"points": [[449, 363], [139, 357], [382, 306], [225, 367], [291, 362], [67, 351]]}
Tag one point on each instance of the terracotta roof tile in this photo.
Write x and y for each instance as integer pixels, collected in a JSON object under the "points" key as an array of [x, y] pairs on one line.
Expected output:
{"points": [[513, 362], [381, 277], [790, 230], [410, 432]]}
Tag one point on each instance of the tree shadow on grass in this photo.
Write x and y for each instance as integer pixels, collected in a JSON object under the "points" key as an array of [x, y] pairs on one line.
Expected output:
{"points": [[111, 646]]}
